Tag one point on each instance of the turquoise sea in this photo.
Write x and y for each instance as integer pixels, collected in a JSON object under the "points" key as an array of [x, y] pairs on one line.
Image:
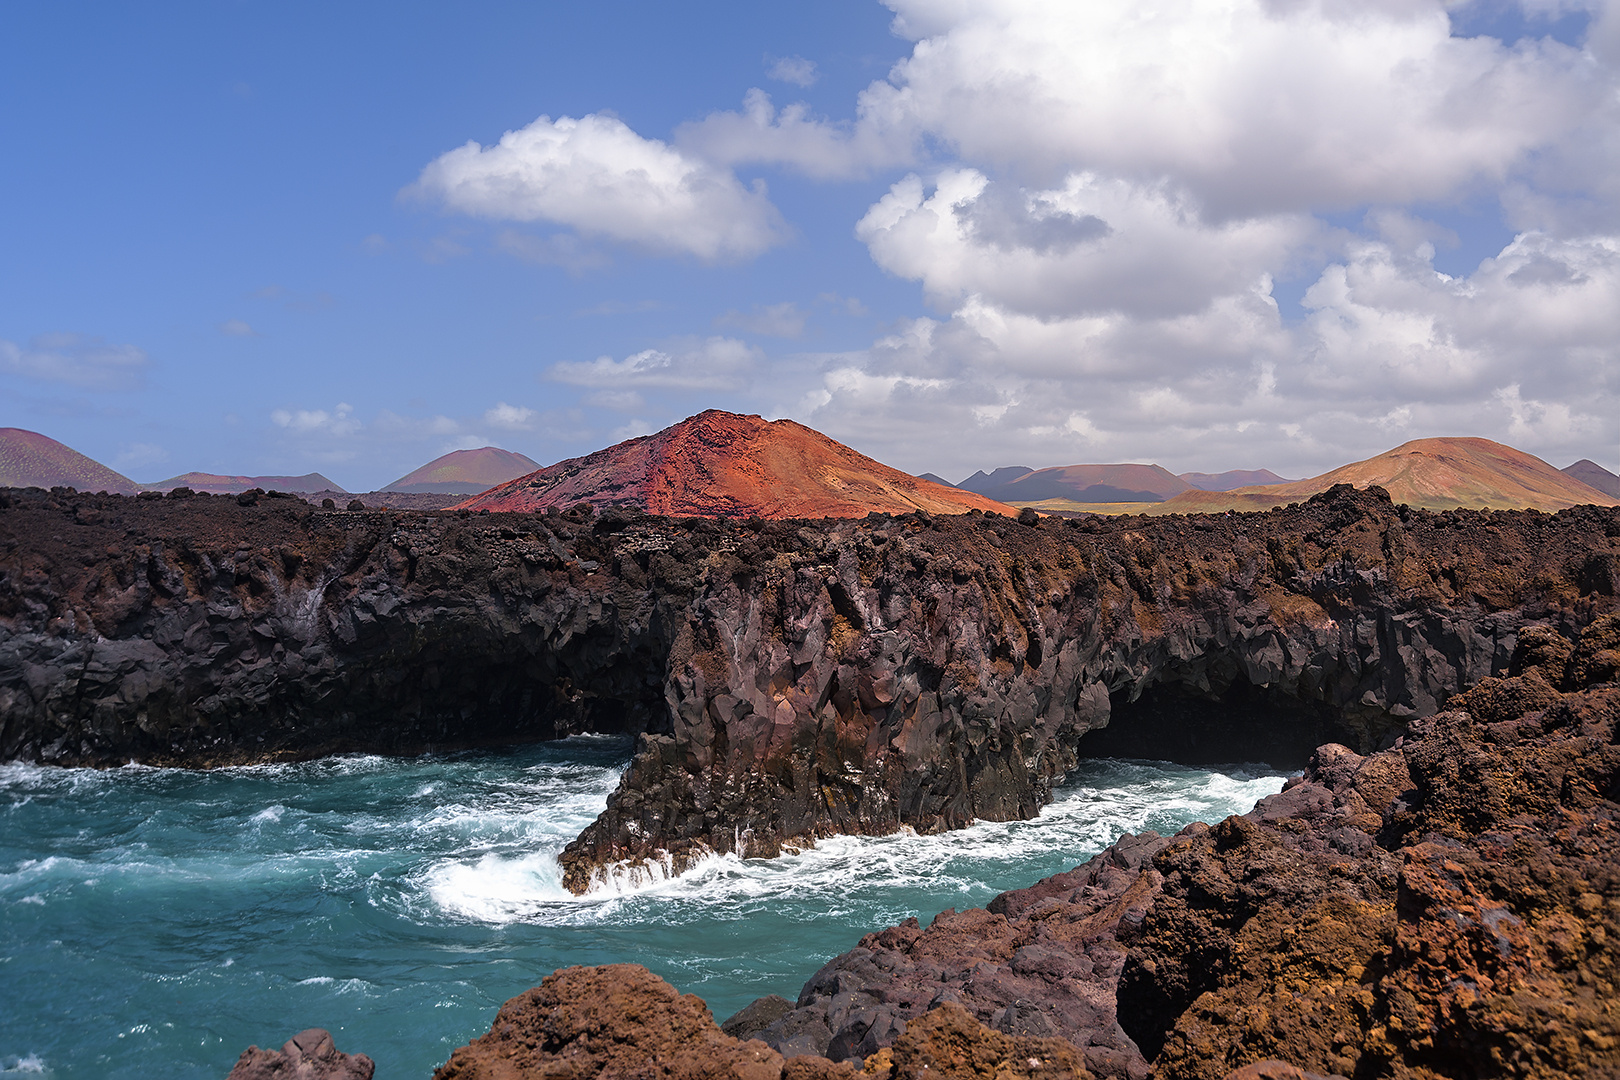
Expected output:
{"points": [[157, 921]]}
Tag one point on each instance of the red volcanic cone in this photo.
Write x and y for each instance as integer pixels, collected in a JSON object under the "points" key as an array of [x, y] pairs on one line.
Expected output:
{"points": [[721, 464]]}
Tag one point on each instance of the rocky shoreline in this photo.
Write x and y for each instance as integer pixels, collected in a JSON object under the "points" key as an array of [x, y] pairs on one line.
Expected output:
{"points": [[1437, 895], [1448, 907], [789, 680]]}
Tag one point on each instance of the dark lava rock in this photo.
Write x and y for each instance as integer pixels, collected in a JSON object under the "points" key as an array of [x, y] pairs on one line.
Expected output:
{"points": [[788, 680], [1448, 907], [756, 1016], [309, 1055]]}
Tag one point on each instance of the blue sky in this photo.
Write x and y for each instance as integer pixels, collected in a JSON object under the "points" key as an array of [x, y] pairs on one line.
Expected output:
{"points": [[253, 238]]}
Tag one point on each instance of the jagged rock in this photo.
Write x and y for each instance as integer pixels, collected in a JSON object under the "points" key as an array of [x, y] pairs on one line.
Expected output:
{"points": [[756, 1016], [1448, 907], [309, 1055], [790, 679], [622, 1021]]}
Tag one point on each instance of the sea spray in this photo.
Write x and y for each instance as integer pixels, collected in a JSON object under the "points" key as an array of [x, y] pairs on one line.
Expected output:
{"points": [[169, 917]]}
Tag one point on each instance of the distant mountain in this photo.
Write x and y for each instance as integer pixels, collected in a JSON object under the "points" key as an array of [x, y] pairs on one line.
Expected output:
{"points": [[981, 481], [29, 459], [465, 472], [1234, 478], [932, 479], [217, 484], [721, 464], [1594, 475], [1431, 474], [1018, 486]]}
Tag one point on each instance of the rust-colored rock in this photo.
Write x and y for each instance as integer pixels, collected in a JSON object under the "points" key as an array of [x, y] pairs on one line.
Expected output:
{"points": [[1445, 908], [309, 1055], [720, 464], [620, 1022], [614, 1021]]}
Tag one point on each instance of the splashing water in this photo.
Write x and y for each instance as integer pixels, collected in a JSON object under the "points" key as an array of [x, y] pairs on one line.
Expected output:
{"points": [[162, 920]]}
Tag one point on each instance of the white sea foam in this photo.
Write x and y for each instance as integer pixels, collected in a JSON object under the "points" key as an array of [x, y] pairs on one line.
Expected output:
{"points": [[502, 885], [30, 1064]]}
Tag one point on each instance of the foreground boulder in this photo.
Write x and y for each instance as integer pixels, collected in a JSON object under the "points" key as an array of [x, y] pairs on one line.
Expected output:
{"points": [[309, 1055], [621, 1021]]}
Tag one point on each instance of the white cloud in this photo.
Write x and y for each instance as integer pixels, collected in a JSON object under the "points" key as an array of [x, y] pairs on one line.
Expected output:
{"points": [[773, 320], [716, 363], [510, 417], [76, 360], [1525, 350], [599, 177], [1092, 245], [340, 421], [237, 328], [1253, 105], [794, 69], [761, 134]]}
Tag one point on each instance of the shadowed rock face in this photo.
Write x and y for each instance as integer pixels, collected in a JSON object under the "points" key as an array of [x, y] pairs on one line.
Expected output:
{"points": [[1449, 907], [791, 679]]}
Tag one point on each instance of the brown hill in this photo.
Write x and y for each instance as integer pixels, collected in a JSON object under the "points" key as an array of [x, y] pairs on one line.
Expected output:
{"points": [[29, 459], [465, 472], [1017, 486], [1233, 478], [1430, 474], [1594, 475], [218, 484], [720, 464]]}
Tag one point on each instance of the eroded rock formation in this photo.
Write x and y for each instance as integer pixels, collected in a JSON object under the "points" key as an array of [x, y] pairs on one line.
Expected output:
{"points": [[621, 1021], [1449, 907], [791, 679]]}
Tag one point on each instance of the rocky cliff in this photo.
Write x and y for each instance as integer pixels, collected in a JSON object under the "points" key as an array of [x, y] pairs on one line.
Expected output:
{"points": [[790, 679], [1446, 908]]}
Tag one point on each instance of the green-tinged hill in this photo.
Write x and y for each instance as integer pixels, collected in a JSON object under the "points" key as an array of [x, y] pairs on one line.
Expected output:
{"points": [[1430, 474], [219, 484], [465, 472]]}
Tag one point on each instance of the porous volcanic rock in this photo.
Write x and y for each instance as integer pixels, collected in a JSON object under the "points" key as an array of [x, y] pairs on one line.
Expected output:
{"points": [[621, 1021], [1449, 907], [721, 464], [789, 679], [309, 1055]]}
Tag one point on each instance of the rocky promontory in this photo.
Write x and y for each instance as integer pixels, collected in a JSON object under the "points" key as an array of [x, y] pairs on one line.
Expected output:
{"points": [[788, 679], [1447, 907]]}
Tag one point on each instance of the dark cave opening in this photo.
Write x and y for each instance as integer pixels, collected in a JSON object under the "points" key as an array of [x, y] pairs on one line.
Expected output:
{"points": [[1177, 722]]}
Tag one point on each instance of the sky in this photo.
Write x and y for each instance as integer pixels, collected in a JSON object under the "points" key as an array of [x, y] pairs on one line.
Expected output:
{"points": [[254, 238]]}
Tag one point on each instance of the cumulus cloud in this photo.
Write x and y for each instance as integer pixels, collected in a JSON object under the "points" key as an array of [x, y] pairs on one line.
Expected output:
{"points": [[510, 417], [828, 150], [716, 363], [597, 176], [340, 421], [794, 69], [88, 363], [1522, 350], [1092, 245], [1255, 105]]}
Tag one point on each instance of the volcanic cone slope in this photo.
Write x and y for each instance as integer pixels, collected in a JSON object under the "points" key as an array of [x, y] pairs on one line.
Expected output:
{"points": [[720, 464]]}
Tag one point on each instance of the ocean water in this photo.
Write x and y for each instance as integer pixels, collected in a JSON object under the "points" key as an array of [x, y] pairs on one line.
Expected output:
{"points": [[157, 921]]}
